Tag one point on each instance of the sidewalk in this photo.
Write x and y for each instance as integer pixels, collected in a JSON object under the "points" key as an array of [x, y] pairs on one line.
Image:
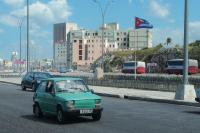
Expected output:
{"points": [[134, 94]]}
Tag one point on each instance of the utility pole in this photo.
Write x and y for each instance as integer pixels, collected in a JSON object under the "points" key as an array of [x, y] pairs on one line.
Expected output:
{"points": [[185, 91], [185, 72], [27, 63]]}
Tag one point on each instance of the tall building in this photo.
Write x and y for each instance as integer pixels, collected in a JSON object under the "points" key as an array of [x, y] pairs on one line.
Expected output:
{"points": [[87, 48], [60, 32], [139, 39]]}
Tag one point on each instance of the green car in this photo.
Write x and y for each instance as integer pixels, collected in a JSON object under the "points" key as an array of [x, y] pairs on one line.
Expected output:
{"points": [[66, 97]]}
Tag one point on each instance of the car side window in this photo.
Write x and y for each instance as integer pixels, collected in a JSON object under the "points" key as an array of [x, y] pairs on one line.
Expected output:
{"points": [[27, 75], [49, 87], [42, 86], [30, 76]]}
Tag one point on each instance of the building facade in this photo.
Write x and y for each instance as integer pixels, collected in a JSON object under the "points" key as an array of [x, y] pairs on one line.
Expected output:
{"points": [[80, 47], [139, 39], [60, 39]]}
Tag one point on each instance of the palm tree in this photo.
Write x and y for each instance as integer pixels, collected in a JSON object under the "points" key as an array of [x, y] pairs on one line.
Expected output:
{"points": [[168, 41]]}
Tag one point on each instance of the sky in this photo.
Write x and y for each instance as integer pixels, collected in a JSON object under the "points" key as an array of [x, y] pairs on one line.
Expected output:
{"points": [[166, 16]]}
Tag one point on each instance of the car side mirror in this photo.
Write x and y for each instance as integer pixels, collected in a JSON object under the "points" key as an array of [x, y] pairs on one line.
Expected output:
{"points": [[92, 91], [52, 93]]}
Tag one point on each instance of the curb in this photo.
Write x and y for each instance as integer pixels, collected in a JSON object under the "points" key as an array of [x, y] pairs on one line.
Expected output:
{"points": [[168, 101], [10, 83]]}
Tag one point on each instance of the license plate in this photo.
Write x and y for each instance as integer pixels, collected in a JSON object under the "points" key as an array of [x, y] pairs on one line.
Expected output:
{"points": [[86, 111]]}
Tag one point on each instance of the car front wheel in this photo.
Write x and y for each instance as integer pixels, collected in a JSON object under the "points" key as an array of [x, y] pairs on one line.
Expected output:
{"points": [[60, 115], [37, 111], [96, 117], [23, 87], [34, 87]]}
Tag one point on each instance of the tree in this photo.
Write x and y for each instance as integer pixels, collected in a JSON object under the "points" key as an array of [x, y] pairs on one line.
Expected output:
{"points": [[168, 41]]}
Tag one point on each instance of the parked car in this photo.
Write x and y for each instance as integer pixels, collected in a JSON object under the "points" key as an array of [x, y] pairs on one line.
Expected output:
{"points": [[66, 97], [32, 79], [69, 70]]}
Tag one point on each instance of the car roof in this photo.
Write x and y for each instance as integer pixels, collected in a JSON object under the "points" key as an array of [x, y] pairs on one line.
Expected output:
{"points": [[61, 79]]}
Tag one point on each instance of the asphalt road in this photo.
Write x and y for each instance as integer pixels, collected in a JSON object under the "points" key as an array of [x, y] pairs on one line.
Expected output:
{"points": [[119, 116]]}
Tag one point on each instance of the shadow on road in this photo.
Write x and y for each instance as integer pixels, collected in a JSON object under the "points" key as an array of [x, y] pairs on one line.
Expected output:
{"points": [[52, 119], [193, 112], [27, 90]]}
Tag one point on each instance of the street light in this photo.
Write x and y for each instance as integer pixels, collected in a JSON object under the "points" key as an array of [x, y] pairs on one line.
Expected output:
{"points": [[20, 22], [20, 41], [103, 13]]}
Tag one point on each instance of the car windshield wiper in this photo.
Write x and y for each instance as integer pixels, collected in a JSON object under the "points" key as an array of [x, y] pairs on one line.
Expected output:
{"points": [[79, 89], [62, 90]]}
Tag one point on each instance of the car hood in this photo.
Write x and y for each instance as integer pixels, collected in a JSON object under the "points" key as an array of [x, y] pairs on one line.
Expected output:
{"points": [[77, 96]]}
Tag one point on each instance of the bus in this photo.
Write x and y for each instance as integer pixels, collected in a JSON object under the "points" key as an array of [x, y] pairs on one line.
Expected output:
{"points": [[175, 66], [129, 67]]}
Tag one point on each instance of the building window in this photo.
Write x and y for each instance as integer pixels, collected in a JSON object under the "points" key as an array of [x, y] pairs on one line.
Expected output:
{"points": [[118, 33], [75, 41], [117, 39], [80, 46], [110, 46], [80, 52], [124, 33], [92, 51], [86, 52], [80, 41], [124, 39], [80, 57], [113, 46]]}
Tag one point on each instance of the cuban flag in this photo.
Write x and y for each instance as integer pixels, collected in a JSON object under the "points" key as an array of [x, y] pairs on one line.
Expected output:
{"points": [[142, 23]]}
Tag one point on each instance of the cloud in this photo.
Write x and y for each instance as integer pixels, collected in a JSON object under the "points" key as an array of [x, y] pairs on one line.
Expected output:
{"points": [[8, 20], [43, 13], [1, 30], [159, 10], [130, 1], [160, 35], [14, 2], [194, 30], [37, 32]]}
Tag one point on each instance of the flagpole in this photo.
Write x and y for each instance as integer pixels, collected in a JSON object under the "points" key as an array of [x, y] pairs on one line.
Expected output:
{"points": [[135, 75]]}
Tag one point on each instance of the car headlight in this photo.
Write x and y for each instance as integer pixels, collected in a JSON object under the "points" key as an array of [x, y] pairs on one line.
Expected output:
{"points": [[70, 104], [98, 101]]}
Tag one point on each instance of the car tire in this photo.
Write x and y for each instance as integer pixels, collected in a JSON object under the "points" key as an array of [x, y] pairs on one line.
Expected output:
{"points": [[96, 117], [23, 87], [37, 111], [33, 87], [60, 116]]}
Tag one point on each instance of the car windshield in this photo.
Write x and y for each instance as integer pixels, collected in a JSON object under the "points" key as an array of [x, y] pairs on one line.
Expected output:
{"points": [[43, 75], [129, 64], [71, 86]]}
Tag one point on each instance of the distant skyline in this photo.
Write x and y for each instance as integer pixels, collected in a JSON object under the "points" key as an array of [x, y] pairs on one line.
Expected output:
{"points": [[165, 15]]}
